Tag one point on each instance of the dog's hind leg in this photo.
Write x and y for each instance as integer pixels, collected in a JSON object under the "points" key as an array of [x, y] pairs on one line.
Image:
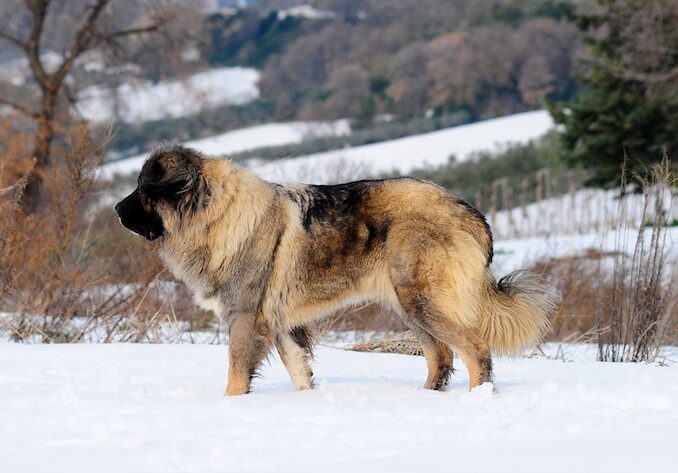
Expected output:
{"points": [[295, 348], [423, 313], [474, 352], [438, 358]]}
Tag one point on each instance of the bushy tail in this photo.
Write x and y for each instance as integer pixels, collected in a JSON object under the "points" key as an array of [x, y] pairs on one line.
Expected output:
{"points": [[515, 312]]}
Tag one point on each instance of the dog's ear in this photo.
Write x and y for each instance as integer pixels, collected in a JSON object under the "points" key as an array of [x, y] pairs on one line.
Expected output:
{"points": [[171, 183], [171, 186]]}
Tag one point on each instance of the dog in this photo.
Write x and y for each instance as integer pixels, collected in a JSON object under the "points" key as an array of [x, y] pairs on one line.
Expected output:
{"points": [[271, 259]]}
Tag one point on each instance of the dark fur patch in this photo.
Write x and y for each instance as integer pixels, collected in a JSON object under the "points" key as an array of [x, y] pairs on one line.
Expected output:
{"points": [[331, 204], [340, 227], [478, 215], [302, 337], [486, 368], [376, 233], [172, 173], [444, 370]]}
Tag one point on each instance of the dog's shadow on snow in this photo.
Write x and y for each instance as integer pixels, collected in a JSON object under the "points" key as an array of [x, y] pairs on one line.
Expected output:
{"points": [[352, 383]]}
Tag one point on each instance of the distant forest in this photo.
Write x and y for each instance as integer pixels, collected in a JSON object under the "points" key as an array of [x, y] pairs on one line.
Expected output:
{"points": [[402, 58]]}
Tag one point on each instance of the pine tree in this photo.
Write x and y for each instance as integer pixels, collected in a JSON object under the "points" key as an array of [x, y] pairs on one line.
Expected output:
{"points": [[628, 106]]}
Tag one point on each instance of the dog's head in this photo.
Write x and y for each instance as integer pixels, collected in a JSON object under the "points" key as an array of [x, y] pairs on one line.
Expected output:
{"points": [[171, 186]]}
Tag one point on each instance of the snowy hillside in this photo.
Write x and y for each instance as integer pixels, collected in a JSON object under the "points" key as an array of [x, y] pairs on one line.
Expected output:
{"points": [[583, 211], [273, 134], [133, 103], [159, 408], [405, 154], [518, 253]]}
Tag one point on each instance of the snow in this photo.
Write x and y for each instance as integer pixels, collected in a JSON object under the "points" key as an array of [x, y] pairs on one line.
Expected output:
{"points": [[405, 154], [583, 211], [16, 71], [514, 254], [273, 134], [169, 99], [159, 408], [360, 162], [306, 11]]}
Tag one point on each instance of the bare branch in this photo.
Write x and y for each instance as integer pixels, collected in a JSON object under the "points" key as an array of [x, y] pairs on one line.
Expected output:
{"points": [[87, 38], [12, 39], [8, 189], [38, 9], [129, 32], [70, 96], [18, 107], [82, 41]]}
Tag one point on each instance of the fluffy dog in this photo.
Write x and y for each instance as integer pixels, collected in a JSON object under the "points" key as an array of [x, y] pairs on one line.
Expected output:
{"points": [[272, 259]]}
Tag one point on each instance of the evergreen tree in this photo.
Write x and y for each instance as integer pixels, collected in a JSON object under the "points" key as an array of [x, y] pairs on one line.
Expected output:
{"points": [[628, 105]]}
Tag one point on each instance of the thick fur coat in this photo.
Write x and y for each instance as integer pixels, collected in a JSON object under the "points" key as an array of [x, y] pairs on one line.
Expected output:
{"points": [[272, 259]]}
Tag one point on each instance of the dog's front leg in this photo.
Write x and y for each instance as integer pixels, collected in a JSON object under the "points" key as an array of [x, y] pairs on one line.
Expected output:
{"points": [[241, 351], [296, 352]]}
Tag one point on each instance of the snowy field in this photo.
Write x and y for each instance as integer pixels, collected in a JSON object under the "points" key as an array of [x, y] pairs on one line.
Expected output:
{"points": [[513, 254], [583, 211], [360, 162], [139, 102], [273, 134], [405, 154], [159, 408]]}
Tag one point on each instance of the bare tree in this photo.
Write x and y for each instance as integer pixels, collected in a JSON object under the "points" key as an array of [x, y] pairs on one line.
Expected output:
{"points": [[649, 49], [28, 28]]}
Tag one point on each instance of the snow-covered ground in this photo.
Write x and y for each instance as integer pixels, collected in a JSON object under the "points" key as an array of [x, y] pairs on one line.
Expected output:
{"points": [[308, 12], [514, 254], [360, 162], [272, 134], [138, 102], [159, 408], [583, 211], [405, 154]]}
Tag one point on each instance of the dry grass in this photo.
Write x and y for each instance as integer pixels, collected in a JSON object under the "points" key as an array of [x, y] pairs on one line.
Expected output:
{"points": [[370, 317], [405, 345], [69, 273], [631, 329], [582, 289]]}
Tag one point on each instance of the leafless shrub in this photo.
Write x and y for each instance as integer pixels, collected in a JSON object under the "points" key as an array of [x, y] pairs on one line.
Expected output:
{"points": [[366, 318], [68, 276], [631, 329], [582, 288]]}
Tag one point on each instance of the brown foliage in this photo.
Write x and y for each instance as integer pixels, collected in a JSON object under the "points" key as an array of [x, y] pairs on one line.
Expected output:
{"points": [[632, 329], [69, 274], [98, 25], [582, 291], [426, 58]]}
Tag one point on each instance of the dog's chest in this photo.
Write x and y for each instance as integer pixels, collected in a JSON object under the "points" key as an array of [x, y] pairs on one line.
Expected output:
{"points": [[212, 304], [191, 277]]}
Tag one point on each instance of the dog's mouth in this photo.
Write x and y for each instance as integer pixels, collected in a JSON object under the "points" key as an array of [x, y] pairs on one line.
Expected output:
{"points": [[151, 234], [148, 233]]}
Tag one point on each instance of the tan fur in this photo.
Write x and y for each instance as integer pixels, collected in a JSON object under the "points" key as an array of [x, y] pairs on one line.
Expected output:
{"points": [[272, 259], [517, 318]]}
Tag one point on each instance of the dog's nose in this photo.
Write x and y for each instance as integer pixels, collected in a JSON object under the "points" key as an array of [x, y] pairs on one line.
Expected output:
{"points": [[117, 207]]}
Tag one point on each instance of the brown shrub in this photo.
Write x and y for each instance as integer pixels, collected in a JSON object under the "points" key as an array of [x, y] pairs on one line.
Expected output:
{"points": [[583, 290], [68, 272], [363, 318]]}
